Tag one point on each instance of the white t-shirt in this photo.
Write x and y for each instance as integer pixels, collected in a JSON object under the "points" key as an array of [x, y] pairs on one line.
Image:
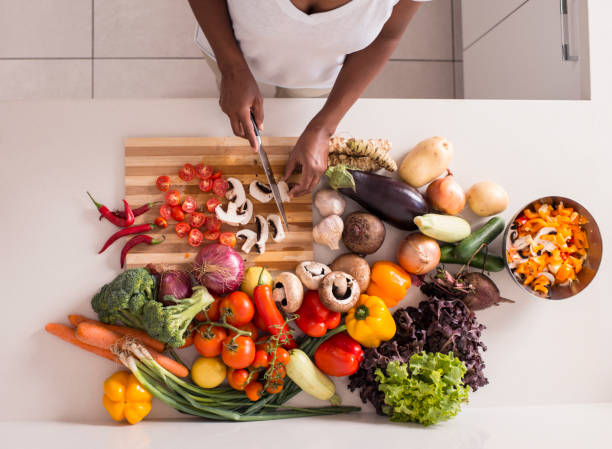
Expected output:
{"points": [[286, 47]]}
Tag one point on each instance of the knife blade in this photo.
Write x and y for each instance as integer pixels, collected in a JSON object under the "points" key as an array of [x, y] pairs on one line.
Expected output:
{"points": [[265, 162]]}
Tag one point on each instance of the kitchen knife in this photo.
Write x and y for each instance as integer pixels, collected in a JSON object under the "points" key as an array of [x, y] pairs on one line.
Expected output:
{"points": [[263, 157]]}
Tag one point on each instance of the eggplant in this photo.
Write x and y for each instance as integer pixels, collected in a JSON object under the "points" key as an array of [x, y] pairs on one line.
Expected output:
{"points": [[392, 201]]}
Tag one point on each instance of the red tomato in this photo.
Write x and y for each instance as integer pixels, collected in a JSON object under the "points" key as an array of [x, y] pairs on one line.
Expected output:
{"points": [[177, 213], [211, 235], [227, 239], [195, 237], [237, 378], [208, 340], [173, 197], [212, 312], [261, 359], [249, 327], [237, 308], [187, 172], [205, 185], [197, 219], [275, 386], [203, 171], [282, 356], [182, 229], [189, 204], [163, 183], [166, 211], [211, 204], [216, 175], [238, 352], [188, 341], [213, 223], [254, 390], [220, 186], [161, 222]]}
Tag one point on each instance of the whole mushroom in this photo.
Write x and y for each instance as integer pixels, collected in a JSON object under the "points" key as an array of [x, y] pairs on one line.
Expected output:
{"points": [[354, 265], [339, 291], [288, 291], [311, 274]]}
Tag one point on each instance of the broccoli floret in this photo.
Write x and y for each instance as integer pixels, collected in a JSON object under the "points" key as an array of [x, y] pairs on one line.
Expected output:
{"points": [[124, 298], [169, 324]]}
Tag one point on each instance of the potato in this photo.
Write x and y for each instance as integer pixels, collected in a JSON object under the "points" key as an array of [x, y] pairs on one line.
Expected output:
{"points": [[426, 161], [487, 198]]}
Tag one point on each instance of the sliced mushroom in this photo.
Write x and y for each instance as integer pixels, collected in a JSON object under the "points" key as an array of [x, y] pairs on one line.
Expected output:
{"points": [[246, 211], [250, 239], [234, 215], [288, 291], [262, 233], [283, 188], [235, 193], [276, 228], [339, 291], [260, 191], [311, 274]]}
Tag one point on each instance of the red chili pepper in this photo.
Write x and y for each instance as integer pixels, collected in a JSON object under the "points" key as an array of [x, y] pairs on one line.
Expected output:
{"points": [[137, 240], [314, 319], [339, 356], [106, 213], [137, 212], [521, 220], [127, 231], [269, 313]]}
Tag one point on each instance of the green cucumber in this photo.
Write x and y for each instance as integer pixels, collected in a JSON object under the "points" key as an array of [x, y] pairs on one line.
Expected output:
{"points": [[486, 234], [494, 263]]}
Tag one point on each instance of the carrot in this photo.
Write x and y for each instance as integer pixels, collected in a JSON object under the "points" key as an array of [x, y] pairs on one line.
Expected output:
{"points": [[95, 335], [67, 333], [138, 334]]}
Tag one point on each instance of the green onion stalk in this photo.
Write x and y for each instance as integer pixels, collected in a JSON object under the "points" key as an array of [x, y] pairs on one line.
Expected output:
{"points": [[221, 403]]}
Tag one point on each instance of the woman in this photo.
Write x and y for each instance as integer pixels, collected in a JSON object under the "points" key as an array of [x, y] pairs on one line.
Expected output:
{"points": [[307, 48]]}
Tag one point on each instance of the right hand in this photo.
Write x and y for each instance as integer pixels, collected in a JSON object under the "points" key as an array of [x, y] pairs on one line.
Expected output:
{"points": [[239, 95]]}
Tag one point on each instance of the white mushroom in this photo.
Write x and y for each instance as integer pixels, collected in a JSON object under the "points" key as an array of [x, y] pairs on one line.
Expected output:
{"points": [[276, 228], [329, 202], [235, 193], [311, 274], [288, 291], [260, 191], [234, 215], [246, 211], [329, 231], [262, 233], [250, 239], [283, 188]]}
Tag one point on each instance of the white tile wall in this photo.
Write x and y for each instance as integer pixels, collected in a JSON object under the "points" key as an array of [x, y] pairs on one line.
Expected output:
{"points": [[144, 48]]}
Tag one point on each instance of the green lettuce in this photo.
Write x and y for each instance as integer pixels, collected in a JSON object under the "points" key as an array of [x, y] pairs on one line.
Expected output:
{"points": [[428, 390]]}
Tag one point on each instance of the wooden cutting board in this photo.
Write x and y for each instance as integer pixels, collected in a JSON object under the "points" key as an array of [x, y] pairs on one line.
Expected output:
{"points": [[148, 158]]}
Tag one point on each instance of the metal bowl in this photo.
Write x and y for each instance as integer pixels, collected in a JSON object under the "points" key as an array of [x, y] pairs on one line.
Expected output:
{"points": [[593, 259]]}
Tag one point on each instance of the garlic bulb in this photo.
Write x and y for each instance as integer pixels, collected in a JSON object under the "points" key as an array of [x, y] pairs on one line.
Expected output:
{"points": [[329, 202], [329, 231]]}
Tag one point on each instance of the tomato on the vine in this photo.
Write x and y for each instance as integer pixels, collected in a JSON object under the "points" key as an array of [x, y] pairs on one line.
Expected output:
{"points": [[278, 372], [173, 197], [182, 229], [161, 222], [189, 204], [275, 386], [237, 378], [237, 308], [195, 237], [261, 359], [208, 340], [203, 171], [211, 204], [187, 172], [213, 223], [205, 185], [254, 390], [166, 211], [248, 327], [282, 356], [212, 312], [197, 219], [220, 186], [238, 352], [177, 213], [163, 183], [227, 239]]}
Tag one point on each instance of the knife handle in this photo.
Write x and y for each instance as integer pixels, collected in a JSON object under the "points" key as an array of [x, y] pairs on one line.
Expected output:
{"points": [[255, 126]]}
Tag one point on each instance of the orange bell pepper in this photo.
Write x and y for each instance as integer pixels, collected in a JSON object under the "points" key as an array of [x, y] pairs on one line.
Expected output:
{"points": [[389, 281]]}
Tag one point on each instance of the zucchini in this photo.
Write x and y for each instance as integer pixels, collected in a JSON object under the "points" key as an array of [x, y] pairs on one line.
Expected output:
{"points": [[445, 228], [494, 263], [309, 378], [486, 234]]}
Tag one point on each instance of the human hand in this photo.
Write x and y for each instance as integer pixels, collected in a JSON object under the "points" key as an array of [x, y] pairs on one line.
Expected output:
{"points": [[310, 152], [239, 95]]}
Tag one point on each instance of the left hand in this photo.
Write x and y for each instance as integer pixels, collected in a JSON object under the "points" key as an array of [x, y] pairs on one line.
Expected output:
{"points": [[310, 153]]}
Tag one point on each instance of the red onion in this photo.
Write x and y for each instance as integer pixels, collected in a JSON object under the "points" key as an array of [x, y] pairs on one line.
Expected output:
{"points": [[175, 283], [219, 268]]}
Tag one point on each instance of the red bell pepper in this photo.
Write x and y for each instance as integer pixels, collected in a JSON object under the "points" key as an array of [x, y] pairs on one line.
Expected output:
{"points": [[314, 319], [339, 356]]}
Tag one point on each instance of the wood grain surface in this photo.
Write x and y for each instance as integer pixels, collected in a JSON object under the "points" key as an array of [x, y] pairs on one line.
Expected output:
{"points": [[148, 158]]}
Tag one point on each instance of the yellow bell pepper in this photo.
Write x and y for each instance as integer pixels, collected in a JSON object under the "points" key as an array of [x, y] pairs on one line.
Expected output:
{"points": [[389, 282], [125, 398], [370, 322]]}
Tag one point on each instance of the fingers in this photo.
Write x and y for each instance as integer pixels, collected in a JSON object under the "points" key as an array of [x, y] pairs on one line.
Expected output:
{"points": [[236, 125], [303, 186], [258, 112], [247, 126]]}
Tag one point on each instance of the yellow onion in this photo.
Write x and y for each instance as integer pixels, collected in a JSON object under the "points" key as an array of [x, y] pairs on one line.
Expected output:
{"points": [[418, 254], [446, 195]]}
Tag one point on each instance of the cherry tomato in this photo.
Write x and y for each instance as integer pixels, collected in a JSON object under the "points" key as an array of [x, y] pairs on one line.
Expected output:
{"points": [[237, 378], [189, 204], [187, 172], [197, 219], [220, 186], [249, 327], [261, 359], [205, 185], [177, 213], [212, 312], [211, 235], [188, 341], [161, 222], [211, 204], [182, 229], [213, 223], [227, 239], [166, 211], [203, 171], [163, 183], [254, 390], [173, 197], [282, 356], [237, 308], [275, 386], [238, 352], [208, 340], [278, 371], [216, 175], [195, 237]]}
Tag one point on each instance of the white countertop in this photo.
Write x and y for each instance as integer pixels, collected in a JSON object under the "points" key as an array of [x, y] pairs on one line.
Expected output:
{"points": [[544, 358]]}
